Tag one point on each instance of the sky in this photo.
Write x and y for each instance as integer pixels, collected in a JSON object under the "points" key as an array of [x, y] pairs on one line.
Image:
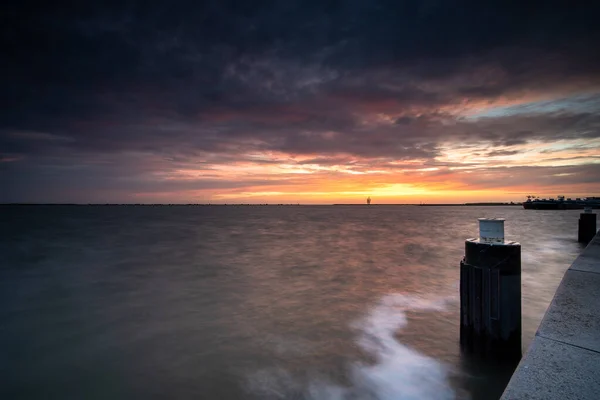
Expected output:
{"points": [[298, 101]]}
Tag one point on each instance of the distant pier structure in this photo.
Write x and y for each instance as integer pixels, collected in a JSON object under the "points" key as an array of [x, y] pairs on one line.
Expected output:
{"points": [[490, 294], [368, 201]]}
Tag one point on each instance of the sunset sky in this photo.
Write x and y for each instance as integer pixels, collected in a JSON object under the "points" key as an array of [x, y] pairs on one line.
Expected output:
{"points": [[299, 101]]}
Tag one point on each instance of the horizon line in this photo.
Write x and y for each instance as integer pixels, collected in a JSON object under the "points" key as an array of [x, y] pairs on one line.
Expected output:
{"points": [[258, 204]]}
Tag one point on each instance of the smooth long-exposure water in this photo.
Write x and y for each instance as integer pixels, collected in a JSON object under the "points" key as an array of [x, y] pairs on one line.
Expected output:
{"points": [[301, 302]]}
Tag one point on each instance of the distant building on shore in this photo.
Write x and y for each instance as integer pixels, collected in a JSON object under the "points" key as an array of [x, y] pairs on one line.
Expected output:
{"points": [[368, 201]]}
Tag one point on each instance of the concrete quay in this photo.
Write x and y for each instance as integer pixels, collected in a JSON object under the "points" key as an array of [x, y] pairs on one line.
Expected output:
{"points": [[563, 360]]}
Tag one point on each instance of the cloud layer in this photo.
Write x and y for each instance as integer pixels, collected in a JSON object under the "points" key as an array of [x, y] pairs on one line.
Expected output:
{"points": [[316, 101]]}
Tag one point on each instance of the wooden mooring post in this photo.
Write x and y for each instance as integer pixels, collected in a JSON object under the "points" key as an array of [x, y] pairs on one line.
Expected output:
{"points": [[587, 226], [490, 294]]}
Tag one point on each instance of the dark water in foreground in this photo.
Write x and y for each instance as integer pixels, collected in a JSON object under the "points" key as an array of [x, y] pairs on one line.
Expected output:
{"points": [[254, 302]]}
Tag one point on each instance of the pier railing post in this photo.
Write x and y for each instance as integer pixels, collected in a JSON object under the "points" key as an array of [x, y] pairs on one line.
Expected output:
{"points": [[587, 226], [490, 294]]}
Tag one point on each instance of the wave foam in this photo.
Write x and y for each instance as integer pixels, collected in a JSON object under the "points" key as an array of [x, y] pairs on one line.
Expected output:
{"points": [[400, 372]]}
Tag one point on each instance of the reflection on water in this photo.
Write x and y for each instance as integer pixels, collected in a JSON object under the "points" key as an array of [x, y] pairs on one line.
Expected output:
{"points": [[254, 302]]}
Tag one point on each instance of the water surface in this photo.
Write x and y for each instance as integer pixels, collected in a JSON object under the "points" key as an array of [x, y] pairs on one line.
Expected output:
{"points": [[306, 302]]}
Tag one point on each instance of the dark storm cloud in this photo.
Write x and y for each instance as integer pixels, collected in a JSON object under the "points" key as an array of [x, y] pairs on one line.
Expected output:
{"points": [[217, 79], [562, 176], [503, 131], [501, 153]]}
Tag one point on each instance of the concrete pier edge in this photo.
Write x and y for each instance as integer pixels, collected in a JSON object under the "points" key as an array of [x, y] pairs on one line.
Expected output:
{"points": [[563, 360]]}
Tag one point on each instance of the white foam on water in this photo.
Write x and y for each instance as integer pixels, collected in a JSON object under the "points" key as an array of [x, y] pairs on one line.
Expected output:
{"points": [[399, 372]]}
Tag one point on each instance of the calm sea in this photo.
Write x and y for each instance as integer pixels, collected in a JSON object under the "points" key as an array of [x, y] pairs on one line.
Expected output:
{"points": [[293, 302]]}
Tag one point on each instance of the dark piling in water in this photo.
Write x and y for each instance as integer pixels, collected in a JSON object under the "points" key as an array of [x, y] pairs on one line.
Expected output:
{"points": [[490, 294], [587, 226]]}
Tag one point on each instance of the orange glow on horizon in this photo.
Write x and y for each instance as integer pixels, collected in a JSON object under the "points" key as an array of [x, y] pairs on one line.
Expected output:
{"points": [[456, 172]]}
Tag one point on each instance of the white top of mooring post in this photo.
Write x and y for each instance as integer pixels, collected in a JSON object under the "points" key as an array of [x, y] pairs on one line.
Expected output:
{"points": [[491, 230]]}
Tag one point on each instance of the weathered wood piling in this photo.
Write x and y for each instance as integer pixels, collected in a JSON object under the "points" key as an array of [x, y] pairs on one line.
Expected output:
{"points": [[587, 226], [490, 294]]}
